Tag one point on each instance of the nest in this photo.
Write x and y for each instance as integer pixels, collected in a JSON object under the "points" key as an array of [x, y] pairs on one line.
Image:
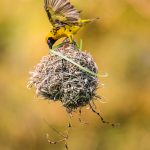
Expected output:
{"points": [[57, 79]]}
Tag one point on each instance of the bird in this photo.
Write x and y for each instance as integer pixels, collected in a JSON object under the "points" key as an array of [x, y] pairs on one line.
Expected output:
{"points": [[65, 20]]}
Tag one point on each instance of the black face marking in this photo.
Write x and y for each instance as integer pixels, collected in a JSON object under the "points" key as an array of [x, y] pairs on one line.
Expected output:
{"points": [[50, 42]]}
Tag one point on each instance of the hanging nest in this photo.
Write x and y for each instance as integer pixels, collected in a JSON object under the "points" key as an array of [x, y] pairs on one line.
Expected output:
{"points": [[57, 79]]}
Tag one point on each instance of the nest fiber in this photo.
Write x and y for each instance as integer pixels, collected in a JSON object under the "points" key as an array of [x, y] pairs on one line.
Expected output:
{"points": [[57, 79]]}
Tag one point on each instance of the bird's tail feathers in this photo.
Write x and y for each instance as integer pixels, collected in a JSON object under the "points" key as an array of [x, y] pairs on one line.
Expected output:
{"points": [[85, 21]]}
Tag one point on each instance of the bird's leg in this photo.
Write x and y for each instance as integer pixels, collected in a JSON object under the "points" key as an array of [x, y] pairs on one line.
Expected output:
{"points": [[71, 40], [70, 36]]}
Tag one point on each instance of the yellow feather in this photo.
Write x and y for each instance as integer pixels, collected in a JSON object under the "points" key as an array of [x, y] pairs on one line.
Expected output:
{"points": [[64, 18]]}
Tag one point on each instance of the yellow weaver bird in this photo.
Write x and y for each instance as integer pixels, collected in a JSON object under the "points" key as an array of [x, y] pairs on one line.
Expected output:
{"points": [[65, 20]]}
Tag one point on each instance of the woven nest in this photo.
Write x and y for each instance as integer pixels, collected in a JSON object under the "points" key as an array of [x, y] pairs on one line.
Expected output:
{"points": [[57, 79]]}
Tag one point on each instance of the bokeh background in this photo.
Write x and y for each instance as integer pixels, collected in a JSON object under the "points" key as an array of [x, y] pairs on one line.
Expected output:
{"points": [[119, 43]]}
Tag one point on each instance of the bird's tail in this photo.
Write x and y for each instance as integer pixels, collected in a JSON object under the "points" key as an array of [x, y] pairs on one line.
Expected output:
{"points": [[85, 21]]}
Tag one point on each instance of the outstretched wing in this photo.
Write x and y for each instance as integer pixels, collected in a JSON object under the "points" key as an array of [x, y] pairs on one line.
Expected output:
{"points": [[61, 11]]}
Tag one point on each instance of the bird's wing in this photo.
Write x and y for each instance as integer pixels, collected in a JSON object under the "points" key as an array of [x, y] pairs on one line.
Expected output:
{"points": [[61, 11]]}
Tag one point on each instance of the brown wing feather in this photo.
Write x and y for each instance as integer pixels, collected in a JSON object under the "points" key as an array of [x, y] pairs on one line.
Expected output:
{"points": [[61, 8]]}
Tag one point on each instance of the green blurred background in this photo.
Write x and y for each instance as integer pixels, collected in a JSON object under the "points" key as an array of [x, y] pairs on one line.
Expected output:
{"points": [[119, 43]]}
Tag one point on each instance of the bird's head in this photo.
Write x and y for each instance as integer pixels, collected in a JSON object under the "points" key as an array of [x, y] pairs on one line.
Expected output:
{"points": [[50, 41]]}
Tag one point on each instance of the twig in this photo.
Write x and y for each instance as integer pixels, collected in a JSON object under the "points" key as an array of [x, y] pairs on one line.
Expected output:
{"points": [[102, 119], [80, 120], [64, 137]]}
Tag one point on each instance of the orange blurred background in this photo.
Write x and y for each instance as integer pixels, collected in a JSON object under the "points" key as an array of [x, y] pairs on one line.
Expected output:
{"points": [[119, 43]]}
